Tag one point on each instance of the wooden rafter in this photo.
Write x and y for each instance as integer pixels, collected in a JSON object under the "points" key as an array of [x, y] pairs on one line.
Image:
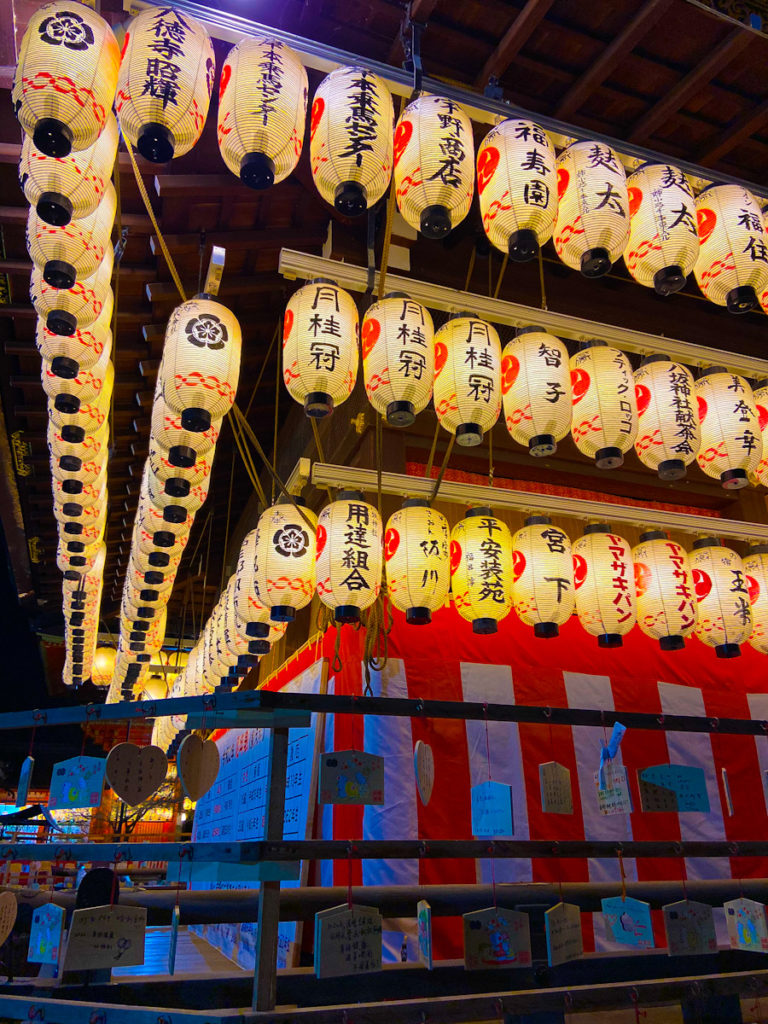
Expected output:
{"points": [[513, 40], [735, 131]]}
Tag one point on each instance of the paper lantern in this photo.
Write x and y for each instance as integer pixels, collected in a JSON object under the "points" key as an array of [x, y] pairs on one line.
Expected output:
{"points": [[592, 225], [85, 528], [65, 78], [200, 370], [67, 309], [70, 456], [166, 530], [756, 569], [178, 479], [481, 569], [663, 242], [262, 110], [63, 188], [165, 82], [517, 187], [158, 582], [238, 639], [253, 616], [184, 446], [417, 560], [542, 583], [350, 139], [320, 347], [731, 439], [668, 434], [434, 165], [760, 393], [172, 504], [604, 584], [74, 352], [283, 553], [536, 390], [73, 564], [722, 597], [90, 418], [73, 483], [604, 419], [159, 551], [86, 496], [69, 390], [397, 339], [349, 556], [73, 252], [103, 666], [732, 265], [666, 603], [467, 389]]}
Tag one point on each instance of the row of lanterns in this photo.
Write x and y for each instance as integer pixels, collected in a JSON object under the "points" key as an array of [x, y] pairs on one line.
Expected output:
{"points": [[581, 199], [670, 419]]}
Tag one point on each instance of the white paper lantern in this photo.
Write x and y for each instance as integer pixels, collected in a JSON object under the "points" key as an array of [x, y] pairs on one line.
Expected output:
{"points": [[67, 309], [604, 421], [731, 439], [184, 446], [70, 456], [756, 569], [604, 583], [722, 596], [467, 389], [73, 252], [732, 266], [417, 560], [77, 351], [481, 569], [284, 560], [668, 435], [70, 390], [349, 556], [666, 602], [397, 339], [542, 587], [760, 394], [536, 390]]}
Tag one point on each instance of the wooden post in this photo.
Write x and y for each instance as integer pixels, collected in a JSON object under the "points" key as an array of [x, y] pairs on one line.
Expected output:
{"points": [[265, 975]]}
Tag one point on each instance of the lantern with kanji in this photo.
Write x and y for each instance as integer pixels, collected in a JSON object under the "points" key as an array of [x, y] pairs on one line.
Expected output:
{"points": [[165, 82], [67, 309], [732, 264], [65, 77], [542, 582], [320, 347], [283, 553], [731, 439], [604, 584], [253, 617], [73, 252], [668, 433], [178, 479], [536, 390], [666, 602], [481, 569], [77, 351], [350, 139], [349, 556], [604, 419], [417, 560], [592, 224], [397, 339], [184, 446], [434, 165], [467, 388], [756, 569], [760, 393], [517, 187], [722, 597]]}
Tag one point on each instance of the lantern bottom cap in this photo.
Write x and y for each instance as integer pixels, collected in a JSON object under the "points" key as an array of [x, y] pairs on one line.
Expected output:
{"points": [[143, 657], [546, 630], [54, 208], [435, 222], [70, 463], [69, 404], [182, 456], [258, 646], [259, 629], [195, 419], [671, 643], [610, 640], [60, 321], [346, 613], [734, 479], [523, 245], [741, 299], [153, 578], [73, 434], [401, 414], [53, 137], [483, 627], [609, 458], [155, 143], [163, 538], [63, 366], [282, 613], [174, 514], [149, 595], [468, 435], [73, 528], [595, 262], [72, 486], [59, 274], [671, 469], [728, 651], [144, 612], [75, 547], [257, 171], [76, 618], [70, 574], [418, 616], [78, 561], [72, 508], [159, 559], [350, 198], [669, 280], [542, 445], [177, 487], [318, 404]]}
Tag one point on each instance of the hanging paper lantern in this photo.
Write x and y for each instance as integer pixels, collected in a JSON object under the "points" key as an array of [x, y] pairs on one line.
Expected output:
{"points": [[732, 265], [86, 497], [417, 560], [77, 351], [397, 339], [90, 418], [160, 551], [467, 388], [262, 110], [283, 553], [184, 446], [536, 390], [320, 347], [668, 434], [760, 393], [173, 505], [178, 480], [88, 471], [542, 587], [65, 78], [481, 569], [165, 82], [592, 224], [70, 390], [238, 640], [350, 139], [349, 556], [722, 595], [604, 583], [103, 666], [73, 564], [166, 530], [85, 528], [517, 187], [756, 569], [666, 604], [731, 439], [71, 456], [253, 616], [73, 252], [67, 309], [434, 165], [604, 423], [69, 187]]}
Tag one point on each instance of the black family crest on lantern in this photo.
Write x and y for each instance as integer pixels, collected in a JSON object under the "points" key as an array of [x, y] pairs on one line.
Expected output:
{"points": [[207, 331], [291, 540], [66, 28]]}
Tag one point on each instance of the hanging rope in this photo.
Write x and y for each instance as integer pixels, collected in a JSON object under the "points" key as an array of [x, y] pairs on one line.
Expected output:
{"points": [[504, 263], [115, 290], [229, 516], [490, 458], [443, 468], [275, 425], [431, 459], [541, 281], [275, 336], [388, 223], [245, 456], [470, 268]]}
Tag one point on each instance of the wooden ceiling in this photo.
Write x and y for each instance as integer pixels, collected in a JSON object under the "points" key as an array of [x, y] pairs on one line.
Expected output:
{"points": [[671, 75]]}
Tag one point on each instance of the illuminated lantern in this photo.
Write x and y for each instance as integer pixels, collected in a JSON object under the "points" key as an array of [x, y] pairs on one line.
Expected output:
{"points": [[86, 497], [467, 388], [481, 569], [178, 479], [158, 582], [604, 419], [165, 82], [166, 530], [84, 528], [604, 584], [67, 309], [65, 78], [761, 406], [731, 439], [201, 362], [70, 390], [70, 456], [262, 110], [756, 568], [160, 550], [76, 351], [397, 339], [732, 265], [722, 596], [88, 471], [434, 165], [175, 506], [184, 446], [253, 616], [73, 252], [592, 224], [74, 564], [349, 556], [63, 188], [417, 560], [350, 139], [666, 604], [668, 434], [517, 187], [239, 640], [320, 347], [90, 418], [283, 553], [103, 666], [542, 583], [536, 390]]}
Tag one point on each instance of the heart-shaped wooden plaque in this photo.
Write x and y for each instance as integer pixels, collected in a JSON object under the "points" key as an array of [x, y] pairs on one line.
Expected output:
{"points": [[424, 766], [135, 773], [198, 765]]}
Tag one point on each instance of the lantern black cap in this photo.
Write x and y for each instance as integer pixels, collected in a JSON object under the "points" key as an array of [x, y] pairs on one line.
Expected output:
{"points": [[174, 513], [257, 171], [159, 559], [400, 414], [523, 245], [416, 503], [546, 630], [741, 299], [350, 199], [653, 535], [596, 528], [655, 357], [757, 549], [164, 538], [59, 321], [69, 404], [72, 434], [479, 510], [595, 262], [72, 508], [351, 495], [542, 445], [734, 479], [59, 274], [347, 613], [149, 595], [63, 366], [72, 486], [669, 280], [671, 469], [195, 419], [468, 435], [75, 547], [70, 463], [182, 456], [418, 616], [153, 578], [73, 528], [728, 651], [610, 640], [259, 646], [53, 137], [484, 627], [54, 208], [318, 404], [609, 458], [155, 143], [706, 542], [435, 222], [177, 487], [259, 629], [671, 643], [537, 521], [282, 613]]}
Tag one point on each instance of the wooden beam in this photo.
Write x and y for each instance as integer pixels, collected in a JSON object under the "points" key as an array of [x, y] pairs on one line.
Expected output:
{"points": [[420, 12], [258, 238], [513, 40], [735, 131]]}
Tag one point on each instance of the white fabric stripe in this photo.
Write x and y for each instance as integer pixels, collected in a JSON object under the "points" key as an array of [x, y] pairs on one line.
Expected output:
{"points": [[758, 709], [325, 874]]}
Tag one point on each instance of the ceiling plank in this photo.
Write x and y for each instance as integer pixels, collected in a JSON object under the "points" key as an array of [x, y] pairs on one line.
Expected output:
{"points": [[735, 132], [513, 40], [420, 12]]}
